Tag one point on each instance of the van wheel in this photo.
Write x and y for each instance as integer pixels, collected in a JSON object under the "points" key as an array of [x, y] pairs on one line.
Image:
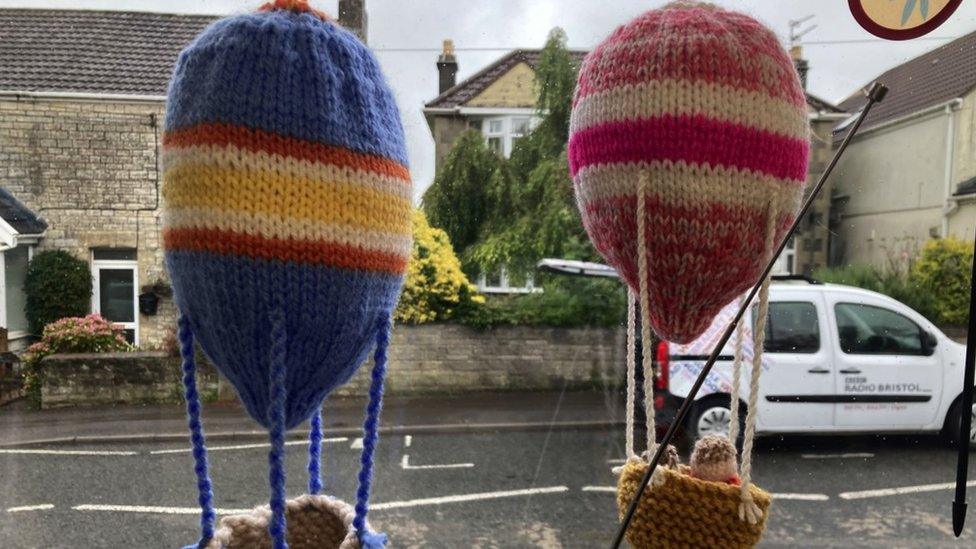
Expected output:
{"points": [[950, 433], [712, 417]]}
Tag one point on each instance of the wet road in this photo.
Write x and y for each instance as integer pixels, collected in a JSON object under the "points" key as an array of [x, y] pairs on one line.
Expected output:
{"points": [[488, 489]]}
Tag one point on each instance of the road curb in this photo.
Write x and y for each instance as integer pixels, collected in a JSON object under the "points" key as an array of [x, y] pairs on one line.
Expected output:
{"points": [[337, 431]]}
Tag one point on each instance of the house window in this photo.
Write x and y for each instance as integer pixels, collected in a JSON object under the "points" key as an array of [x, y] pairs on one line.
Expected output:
{"points": [[13, 315], [785, 263], [498, 281], [501, 133], [116, 278]]}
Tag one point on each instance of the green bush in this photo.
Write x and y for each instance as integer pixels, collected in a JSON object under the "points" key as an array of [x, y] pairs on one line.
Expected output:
{"points": [[565, 302], [943, 273], [57, 285], [89, 334]]}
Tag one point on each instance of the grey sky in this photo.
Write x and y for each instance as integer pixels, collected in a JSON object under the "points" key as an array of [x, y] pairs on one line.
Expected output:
{"points": [[836, 70]]}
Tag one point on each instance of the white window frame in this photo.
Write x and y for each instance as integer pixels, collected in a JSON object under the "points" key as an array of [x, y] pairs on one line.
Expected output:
{"points": [[133, 264], [507, 134], [504, 287]]}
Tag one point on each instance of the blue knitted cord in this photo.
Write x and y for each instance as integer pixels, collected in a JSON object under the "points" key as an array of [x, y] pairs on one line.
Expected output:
{"points": [[315, 453], [370, 435], [276, 421], [204, 488]]}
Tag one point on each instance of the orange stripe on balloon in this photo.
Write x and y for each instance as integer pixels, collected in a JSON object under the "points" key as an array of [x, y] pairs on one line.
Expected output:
{"points": [[300, 251], [259, 140]]}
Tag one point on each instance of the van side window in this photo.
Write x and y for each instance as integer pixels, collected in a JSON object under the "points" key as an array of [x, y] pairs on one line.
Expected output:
{"points": [[792, 327], [870, 330]]}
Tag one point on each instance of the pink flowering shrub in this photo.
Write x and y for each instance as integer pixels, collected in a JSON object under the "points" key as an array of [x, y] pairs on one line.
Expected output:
{"points": [[89, 334]]}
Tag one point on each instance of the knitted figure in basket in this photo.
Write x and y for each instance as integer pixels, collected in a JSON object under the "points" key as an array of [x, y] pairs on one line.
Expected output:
{"points": [[287, 234], [688, 150]]}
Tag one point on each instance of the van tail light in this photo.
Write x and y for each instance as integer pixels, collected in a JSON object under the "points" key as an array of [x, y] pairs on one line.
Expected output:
{"points": [[663, 366]]}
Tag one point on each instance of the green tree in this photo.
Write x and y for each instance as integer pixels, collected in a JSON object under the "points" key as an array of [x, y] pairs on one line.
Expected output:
{"points": [[943, 273], [57, 285], [457, 201]]}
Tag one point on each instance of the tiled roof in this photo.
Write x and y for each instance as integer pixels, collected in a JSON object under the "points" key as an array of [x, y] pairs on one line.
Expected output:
{"points": [[966, 187], [109, 52], [478, 82], [944, 73], [18, 216]]}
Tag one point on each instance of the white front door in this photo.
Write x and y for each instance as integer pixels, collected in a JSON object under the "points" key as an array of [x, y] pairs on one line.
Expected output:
{"points": [[887, 377], [115, 292], [797, 379]]}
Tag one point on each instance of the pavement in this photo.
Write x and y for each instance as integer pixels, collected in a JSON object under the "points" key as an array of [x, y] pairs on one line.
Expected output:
{"points": [[470, 485]]}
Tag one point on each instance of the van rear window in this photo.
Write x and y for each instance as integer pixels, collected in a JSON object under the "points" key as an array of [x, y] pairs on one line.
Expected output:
{"points": [[792, 327]]}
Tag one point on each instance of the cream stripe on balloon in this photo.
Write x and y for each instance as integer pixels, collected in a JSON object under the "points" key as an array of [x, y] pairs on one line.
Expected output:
{"points": [[686, 97], [231, 156], [274, 226], [672, 180]]}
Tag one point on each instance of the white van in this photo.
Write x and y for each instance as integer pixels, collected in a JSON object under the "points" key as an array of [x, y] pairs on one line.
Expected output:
{"points": [[837, 360]]}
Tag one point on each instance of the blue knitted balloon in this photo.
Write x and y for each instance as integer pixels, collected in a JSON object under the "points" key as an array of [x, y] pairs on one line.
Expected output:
{"points": [[287, 222]]}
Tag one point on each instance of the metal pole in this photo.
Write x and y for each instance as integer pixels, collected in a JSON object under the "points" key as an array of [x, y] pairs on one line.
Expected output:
{"points": [[966, 413], [875, 95]]}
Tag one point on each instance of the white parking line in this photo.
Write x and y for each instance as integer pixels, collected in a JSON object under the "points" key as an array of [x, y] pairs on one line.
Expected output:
{"points": [[407, 439], [901, 490], [467, 497], [616, 461], [405, 464], [245, 446], [155, 509], [357, 444], [66, 452], [799, 497], [854, 455], [39, 507]]}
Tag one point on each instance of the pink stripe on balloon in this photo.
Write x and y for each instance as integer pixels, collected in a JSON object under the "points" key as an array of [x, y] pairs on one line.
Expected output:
{"points": [[694, 139]]}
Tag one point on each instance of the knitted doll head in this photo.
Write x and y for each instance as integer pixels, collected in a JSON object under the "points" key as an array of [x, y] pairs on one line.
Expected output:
{"points": [[287, 201], [287, 234], [714, 459], [689, 121]]}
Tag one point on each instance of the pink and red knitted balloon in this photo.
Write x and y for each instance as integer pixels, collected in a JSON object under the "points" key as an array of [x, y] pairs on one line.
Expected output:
{"points": [[704, 106]]}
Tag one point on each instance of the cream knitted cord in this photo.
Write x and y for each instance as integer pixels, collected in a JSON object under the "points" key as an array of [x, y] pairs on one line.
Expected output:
{"points": [[646, 365], [631, 367], [740, 332]]}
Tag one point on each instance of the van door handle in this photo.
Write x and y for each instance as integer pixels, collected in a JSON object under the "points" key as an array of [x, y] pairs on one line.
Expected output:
{"points": [[850, 371], [819, 371]]}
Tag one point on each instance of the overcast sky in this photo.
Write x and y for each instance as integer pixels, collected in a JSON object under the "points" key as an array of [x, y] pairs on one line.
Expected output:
{"points": [[836, 69]]}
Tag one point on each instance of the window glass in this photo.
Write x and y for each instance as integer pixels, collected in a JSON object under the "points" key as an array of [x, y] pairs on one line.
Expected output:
{"points": [[870, 330], [15, 266], [495, 126], [792, 327], [495, 144], [114, 254]]}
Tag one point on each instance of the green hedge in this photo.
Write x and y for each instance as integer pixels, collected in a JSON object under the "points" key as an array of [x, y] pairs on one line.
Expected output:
{"points": [[57, 285]]}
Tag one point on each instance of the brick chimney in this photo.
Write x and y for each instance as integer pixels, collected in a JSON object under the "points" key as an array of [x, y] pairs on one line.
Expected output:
{"points": [[801, 64], [352, 15], [447, 68]]}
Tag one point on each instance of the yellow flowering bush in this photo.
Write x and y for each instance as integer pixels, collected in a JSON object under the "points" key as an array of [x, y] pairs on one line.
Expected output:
{"points": [[435, 288]]}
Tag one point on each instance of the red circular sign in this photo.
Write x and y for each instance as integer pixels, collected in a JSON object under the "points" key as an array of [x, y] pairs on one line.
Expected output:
{"points": [[902, 19]]}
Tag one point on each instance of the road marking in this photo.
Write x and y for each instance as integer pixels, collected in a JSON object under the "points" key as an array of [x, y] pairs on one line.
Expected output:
{"points": [[244, 446], [407, 439], [802, 497], [616, 461], [467, 497], [67, 452], [853, 455], [405, 464], [799, 497], [39, 507], [357, 444], [901, 490], [155, 509]]}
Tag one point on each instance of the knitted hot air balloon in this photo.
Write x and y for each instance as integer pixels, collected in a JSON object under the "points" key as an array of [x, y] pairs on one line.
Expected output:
{"points": [[688, 150], [287, 233]]}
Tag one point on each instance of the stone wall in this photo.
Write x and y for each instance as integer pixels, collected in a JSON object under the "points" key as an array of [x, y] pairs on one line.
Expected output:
{"points": [[441, 358], [87, 379], [91, 170]]}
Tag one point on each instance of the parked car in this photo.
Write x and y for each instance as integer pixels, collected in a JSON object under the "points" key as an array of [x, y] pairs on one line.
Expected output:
{"points": [[837, 360]]}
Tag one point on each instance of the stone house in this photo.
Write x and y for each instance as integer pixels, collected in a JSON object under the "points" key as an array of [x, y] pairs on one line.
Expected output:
{"points": [[499, 102], [81, 113], [910, 173]]}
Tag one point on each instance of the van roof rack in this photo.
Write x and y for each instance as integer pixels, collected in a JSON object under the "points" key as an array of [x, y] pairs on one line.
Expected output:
{"points": [[796, 277]]}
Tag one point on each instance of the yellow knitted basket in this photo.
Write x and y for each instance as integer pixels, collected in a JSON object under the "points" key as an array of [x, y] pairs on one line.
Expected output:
{"points": [[314, 522], [682, 511]]}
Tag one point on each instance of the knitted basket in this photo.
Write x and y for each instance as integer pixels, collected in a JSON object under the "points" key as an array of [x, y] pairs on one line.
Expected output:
{"points": [[678, 510], [314, 522]]}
